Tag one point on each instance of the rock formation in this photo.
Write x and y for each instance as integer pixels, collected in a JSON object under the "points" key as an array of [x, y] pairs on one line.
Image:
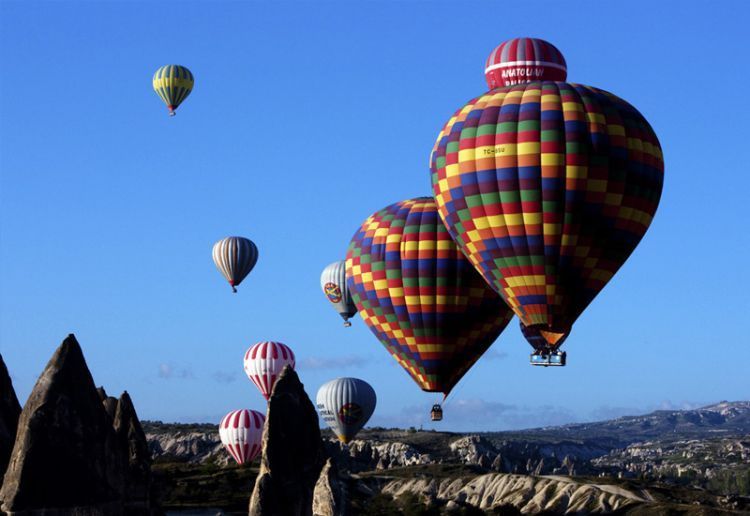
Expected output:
{"points": [[293, 454], [10, 410], [187, 445], [138, 458], [530, 495], [330, 495], [66, 458], [109, 402], [360, 455]]}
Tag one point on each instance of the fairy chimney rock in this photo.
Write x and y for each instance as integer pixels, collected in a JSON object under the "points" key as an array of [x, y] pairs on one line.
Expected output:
{"points": [[293, 454], [66, 459]]}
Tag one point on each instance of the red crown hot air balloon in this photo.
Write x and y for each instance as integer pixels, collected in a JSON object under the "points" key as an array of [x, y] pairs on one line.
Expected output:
{"points": [[419, 295], [264, 362], [547, 188], [241, 432], [523, 60]]}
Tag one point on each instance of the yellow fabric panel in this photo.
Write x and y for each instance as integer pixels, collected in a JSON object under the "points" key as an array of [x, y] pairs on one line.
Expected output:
{"points": [[552, 159], [531, 280], [528, 148]]}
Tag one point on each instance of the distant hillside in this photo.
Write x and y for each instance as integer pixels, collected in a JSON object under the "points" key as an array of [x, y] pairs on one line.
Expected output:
{"points": [[723, 419]]}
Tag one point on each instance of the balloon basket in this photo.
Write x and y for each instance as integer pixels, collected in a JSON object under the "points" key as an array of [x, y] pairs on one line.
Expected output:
{"points": [[548, 358]]}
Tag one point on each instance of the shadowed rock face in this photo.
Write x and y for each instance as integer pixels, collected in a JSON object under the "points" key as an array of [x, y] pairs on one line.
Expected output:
{"points": [[132, 439], [9, 412], [293, 453], [66, 454], [109, 402]]}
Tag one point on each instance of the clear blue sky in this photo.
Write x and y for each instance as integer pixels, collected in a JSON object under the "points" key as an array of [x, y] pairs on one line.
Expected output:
{"points": [[306, 118]]}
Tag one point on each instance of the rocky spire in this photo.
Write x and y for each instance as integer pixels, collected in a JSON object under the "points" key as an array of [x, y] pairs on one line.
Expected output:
{"points": [[138, 468], [109, 402], [330, 497], [293, 453], [66, 455], [9, 412]]}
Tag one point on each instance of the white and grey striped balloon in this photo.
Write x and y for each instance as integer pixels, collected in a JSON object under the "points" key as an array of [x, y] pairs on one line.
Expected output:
{"points": [[235, 257], [333, 283], [346, 404]]}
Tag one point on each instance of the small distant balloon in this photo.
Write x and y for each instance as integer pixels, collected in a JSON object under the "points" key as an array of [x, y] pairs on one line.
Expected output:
{"points": [[346, 404], [241, 432], [333, 283], [235, 257], [522, 60], [264, 362], [173, 83]]}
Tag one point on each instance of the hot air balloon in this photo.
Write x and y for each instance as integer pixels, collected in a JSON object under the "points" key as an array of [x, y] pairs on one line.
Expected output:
{"points": [[419, 295], [547, 188], [333, 283], [173, 83], [346, 404], [235, 257], [264, 362], [545, 353], [241, 432], [523, 60]]}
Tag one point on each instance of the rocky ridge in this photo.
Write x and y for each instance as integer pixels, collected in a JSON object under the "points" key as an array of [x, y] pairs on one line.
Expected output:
{"points": [[196, 444], [530, 495]]}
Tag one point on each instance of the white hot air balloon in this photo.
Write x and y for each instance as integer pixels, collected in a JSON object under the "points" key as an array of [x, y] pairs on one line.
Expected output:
{"points": [[264, 362], [346, 404], [333, 283], [241, 432], [235, 257]]}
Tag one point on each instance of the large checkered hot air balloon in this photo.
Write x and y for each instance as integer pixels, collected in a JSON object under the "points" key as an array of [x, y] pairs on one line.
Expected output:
{"points": [[264, 362], [420, 296], [333, 283], [235, 257], [241, 432], [547, 188], [346, 404], [173, 83]]}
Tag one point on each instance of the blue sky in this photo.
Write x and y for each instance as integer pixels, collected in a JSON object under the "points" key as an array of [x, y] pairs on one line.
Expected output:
{"points": [[307, 117]]}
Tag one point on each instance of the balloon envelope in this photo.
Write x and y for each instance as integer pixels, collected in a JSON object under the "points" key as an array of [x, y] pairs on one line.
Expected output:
{"points": [[173, 83], [264, 362], [333, 283], [547, 188], [541, 340], [420, 296], [235, 257], [241, 432], [346, 404], [521, 60]]}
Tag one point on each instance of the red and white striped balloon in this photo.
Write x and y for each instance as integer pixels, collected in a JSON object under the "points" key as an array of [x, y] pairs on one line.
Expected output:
{"points": [[264, 362], [241, 432]]}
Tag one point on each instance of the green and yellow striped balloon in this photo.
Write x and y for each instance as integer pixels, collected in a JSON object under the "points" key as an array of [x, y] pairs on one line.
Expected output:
{"points": [[173, 83]]}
